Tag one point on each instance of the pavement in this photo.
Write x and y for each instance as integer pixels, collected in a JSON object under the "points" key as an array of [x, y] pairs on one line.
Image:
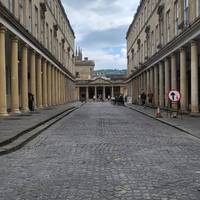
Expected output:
{"points": [[187, 123], [16, 126], [104, 152]]}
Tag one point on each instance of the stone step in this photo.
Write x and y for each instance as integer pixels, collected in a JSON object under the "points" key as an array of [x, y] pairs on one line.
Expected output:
{"points": [[28, 135]]}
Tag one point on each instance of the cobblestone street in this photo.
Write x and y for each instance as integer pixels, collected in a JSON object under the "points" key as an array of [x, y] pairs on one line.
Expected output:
{"points": [[104, 152]]}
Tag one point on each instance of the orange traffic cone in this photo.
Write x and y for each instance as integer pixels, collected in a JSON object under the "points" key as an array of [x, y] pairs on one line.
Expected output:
{"points": [[158, 113]]}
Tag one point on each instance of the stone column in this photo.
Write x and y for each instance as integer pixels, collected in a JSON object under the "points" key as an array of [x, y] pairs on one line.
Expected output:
{"points": [[64, 89], [139, 84], [156, 85], [104, 93], [194, 78], [39, 82], [87, 94], [173, 73], [14, 77], [95, 92], [145, 82], [59, 86], [173, 76], [183, 79], [161, 85], [25, 79], [33, 77], [167, 82], [49, 85], [56, 86], [78, 94], [134, 91], [148, 82], [52, 85], [112, 91], [3, 95], [151, 80], [68, 90], [44, 83], [62, 102]]}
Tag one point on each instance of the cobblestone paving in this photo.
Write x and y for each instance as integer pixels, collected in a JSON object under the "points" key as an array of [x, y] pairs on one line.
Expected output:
{"points": [[186, 122], [104, 152], [15, 124]]}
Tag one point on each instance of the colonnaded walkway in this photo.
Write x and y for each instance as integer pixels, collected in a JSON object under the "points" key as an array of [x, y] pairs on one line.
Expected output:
{"points": [[104, 152]]}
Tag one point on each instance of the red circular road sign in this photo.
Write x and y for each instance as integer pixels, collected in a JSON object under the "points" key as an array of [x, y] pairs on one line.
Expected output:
{"points": [[174, 96]]}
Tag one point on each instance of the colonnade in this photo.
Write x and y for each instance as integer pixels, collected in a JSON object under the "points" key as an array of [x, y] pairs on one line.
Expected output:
{"points": [[171, 73], [103, 94], [49, 85], [95, 93]]}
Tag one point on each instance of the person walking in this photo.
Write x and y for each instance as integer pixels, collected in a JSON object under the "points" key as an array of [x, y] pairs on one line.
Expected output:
{"points": [[143, 98], [31, 101], [150, 97]]}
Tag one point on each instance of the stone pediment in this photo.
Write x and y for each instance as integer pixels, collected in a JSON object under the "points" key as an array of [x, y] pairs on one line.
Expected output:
{"points": [[100, 81]]}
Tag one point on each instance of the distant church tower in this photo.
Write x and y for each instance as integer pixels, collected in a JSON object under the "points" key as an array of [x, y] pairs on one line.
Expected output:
{"points": [[79, 54]]}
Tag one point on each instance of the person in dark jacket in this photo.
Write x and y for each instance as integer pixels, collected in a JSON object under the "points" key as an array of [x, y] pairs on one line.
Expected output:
{"points": [[31, 101], [143, 98]]}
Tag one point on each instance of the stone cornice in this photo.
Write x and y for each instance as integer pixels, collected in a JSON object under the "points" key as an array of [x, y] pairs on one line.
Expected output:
{"points": [[92, 82], [179, 41], [14, 23], [145, 24], [85, 63], [63, 10], [66, 18]]}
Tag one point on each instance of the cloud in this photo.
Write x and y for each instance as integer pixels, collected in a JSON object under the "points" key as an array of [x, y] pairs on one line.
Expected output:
{"points": [[100, 26], [107, 60], [112, 37]]}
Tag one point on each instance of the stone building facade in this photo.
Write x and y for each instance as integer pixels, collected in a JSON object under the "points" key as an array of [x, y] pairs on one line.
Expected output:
{"points": [[100, 87], [83, 67], [36, 55], [163, 51]]}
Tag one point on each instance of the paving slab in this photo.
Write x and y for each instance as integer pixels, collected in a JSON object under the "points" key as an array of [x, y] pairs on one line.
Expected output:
{"points": [[104, 152], [185, 123], [14, 125]]}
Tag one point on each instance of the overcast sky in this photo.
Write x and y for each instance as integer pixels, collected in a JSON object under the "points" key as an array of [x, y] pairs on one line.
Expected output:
{"points": [[100, 27]]}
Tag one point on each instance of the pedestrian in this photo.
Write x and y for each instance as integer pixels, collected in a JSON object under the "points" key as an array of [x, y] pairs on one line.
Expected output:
{"points": [[31, 101], [143, 98], [115, 100], [150, 97], [121, 99], [139, 99]]}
